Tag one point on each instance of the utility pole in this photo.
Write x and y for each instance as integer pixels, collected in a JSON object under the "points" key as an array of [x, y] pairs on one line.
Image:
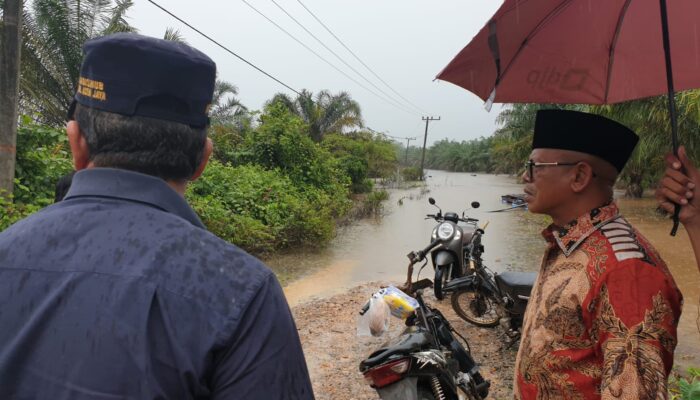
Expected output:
{"points": [[9, 91], [408, 139], [425, 140]]}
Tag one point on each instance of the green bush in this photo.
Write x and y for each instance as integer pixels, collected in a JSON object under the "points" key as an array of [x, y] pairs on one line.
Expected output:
{"points": [[362, 156], [680, 388], [43, 156], [13, 212], [261, 210], [373, 204], [411, 174], [366, 186], [281, 142]]}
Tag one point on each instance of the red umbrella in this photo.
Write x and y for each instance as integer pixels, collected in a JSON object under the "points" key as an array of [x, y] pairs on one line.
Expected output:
{"points": [[583, 51]]}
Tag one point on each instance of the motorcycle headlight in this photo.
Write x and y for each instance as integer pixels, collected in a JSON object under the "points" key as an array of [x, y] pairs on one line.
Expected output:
{"points": [[445, 230]]}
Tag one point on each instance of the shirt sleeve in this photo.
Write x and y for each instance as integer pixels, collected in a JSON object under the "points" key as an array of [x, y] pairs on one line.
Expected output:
{"points": [[638, 307], [264, 359]]}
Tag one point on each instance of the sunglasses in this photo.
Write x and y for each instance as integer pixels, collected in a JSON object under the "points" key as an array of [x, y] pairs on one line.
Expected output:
{"points": [[530, 165]]}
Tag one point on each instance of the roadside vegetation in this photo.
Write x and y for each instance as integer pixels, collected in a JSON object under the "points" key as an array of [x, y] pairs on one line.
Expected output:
{"points": [[506, 151], [280, 177]]}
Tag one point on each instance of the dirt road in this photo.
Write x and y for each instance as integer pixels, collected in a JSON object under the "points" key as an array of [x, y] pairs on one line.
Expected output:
{"points": [[328, 331]]}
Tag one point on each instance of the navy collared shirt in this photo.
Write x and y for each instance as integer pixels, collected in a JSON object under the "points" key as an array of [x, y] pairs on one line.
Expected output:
{"points": [[118, 292]]}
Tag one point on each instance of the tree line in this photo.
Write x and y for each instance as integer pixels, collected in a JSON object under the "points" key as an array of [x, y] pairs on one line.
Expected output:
{"points": [[507, 149], [280, 177]]}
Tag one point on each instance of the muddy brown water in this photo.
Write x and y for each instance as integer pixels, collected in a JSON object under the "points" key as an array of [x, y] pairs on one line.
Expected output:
{"points": [[375, 249]]}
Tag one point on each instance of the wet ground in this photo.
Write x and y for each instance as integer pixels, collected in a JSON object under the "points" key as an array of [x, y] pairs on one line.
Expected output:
{"points": [[327, 328]]}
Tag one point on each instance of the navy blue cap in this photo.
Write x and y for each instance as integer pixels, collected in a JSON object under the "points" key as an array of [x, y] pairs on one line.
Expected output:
{"points": [[585, 133], [130, 74]]}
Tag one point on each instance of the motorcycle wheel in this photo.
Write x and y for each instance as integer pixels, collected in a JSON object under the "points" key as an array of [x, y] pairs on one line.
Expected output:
{"points": [[439, 283], [476, 307]]}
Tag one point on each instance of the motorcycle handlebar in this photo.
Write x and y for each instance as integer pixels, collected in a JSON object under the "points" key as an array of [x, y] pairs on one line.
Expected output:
{"points": [[420, 255], [364, 308]]}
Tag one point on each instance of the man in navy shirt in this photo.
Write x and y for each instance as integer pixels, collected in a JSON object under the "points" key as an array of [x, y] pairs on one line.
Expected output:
{"points": [[118, 291]]}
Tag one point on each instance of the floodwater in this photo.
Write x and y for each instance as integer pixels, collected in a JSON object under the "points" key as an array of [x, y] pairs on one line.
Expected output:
{"points": [[375, 249]]}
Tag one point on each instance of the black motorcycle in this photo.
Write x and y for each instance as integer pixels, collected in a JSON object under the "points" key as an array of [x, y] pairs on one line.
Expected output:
{"points": [[451, 238], [484, 298], [426, 362]]}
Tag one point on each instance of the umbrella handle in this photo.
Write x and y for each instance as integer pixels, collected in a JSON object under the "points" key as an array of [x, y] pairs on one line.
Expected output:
{"points": [[676, 219]]}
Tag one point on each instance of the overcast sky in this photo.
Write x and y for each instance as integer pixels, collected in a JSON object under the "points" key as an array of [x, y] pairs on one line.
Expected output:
{"points": [[406, 42]]}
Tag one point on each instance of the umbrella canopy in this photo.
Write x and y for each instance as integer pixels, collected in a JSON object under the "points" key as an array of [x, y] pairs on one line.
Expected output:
{"points": [[579, 51]]}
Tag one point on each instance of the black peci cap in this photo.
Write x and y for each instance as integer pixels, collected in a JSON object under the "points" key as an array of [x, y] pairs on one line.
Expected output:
{"points": [[585, 133], [130, 74]]}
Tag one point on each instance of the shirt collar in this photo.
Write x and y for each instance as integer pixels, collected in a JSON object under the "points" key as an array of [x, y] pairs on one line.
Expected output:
{"points": [[131, 186], [575, 232]]}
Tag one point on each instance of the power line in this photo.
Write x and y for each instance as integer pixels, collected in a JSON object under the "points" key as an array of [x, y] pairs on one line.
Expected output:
{"points": [[323, 59], [224, 47], [387, 135], [334, 53], [358, 58]]}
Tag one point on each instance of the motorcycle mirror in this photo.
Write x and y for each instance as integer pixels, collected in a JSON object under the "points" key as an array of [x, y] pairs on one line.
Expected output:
{"points": [[431, 200], [475, 204]]}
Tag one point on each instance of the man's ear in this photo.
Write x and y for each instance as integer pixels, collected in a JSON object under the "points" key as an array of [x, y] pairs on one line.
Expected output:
{"points": [[583, 174], [208, 149], [78, 146]]}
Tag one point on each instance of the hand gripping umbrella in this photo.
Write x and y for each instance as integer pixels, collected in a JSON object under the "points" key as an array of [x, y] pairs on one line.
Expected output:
{"points": [[584, 52]]}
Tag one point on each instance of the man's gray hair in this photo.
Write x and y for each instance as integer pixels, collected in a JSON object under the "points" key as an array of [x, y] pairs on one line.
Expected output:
{"points": [[166, 149]]}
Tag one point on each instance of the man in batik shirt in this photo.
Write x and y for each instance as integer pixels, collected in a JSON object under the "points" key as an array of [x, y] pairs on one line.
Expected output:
{"points": [[602, 316]]}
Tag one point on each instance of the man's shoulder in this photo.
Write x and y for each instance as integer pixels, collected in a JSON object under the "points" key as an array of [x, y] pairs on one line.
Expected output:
{"points": [[619, 249], [624, 242], [141, 243]]}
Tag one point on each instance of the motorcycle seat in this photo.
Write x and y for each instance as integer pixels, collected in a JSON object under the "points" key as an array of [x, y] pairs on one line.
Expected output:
{"points": [[518, 283], [407, 344]]}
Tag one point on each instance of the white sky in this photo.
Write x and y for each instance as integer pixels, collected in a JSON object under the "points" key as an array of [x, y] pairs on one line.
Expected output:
{"points": [[406, 42]]}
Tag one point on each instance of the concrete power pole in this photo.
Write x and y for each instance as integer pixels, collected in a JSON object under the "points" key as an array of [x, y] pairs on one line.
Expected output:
{"points": [[425, 140], [408, 139], [10, 38]]}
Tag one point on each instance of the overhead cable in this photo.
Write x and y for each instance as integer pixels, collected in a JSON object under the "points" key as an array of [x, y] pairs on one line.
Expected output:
{"points": [[399, 107], [387, 135], [224, 47], [358, 58], [335, 54]]}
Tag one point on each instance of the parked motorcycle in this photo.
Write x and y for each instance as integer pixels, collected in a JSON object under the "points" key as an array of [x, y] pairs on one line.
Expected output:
{"points": [[452, 237], [426, 362], [484, 298]]}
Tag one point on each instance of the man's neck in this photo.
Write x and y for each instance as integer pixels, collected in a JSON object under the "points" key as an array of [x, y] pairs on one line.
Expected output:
{"points": [[179, 186], [570, 212]]}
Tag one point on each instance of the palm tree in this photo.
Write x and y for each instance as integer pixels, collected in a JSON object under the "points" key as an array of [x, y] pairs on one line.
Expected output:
{"points": [[649, 119], [52, 37], [226, 109], [324, 113], [512, 142]]}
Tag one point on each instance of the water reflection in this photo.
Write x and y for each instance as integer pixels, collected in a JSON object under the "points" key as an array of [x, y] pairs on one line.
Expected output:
{"points": [[375, 250]]}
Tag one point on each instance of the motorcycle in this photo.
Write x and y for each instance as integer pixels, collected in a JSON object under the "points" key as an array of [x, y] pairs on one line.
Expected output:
{"points": [[486, 299], [452, 241], [426, 362]]}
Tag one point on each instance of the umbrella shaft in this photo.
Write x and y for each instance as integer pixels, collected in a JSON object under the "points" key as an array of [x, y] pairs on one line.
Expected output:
{"points": [[669, 76], [671, 99]]}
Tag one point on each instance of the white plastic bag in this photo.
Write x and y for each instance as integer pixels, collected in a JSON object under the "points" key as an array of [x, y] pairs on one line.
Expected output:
{"points": [[376, 320]]}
